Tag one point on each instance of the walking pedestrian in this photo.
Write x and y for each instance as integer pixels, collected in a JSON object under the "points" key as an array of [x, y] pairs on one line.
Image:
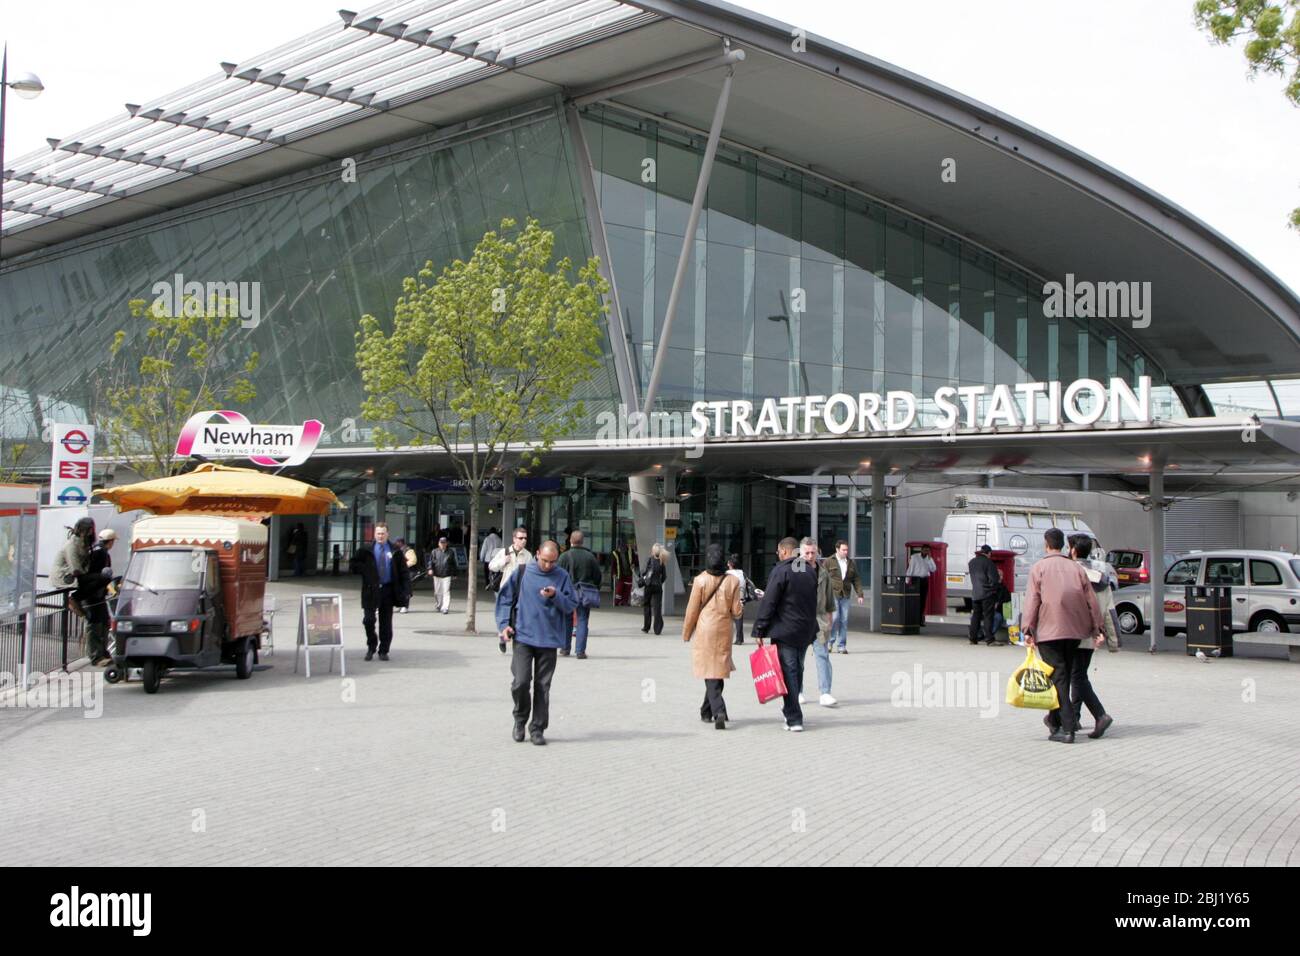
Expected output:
{"points": [[298, 548], [92, 593], [919, 567], [747, 593], [652, 579], [491, 545], [533, 610], [508, 560], [787, 615], [584, 571], [827, 605], [1060, 610], [1104, 581], [409, 556], [713, 606], [985, 588], [845, 580], [385, 584], [442, 565], [622, 565]]}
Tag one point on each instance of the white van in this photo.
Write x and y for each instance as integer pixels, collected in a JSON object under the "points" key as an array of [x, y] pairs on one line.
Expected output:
{"points": [[1003, 523]]}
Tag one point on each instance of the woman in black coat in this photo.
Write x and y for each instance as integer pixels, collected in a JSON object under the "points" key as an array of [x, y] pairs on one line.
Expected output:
{"points": [[652, 579]]}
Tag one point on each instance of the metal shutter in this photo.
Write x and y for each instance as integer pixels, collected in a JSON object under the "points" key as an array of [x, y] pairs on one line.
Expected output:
{"points": [[1203, 523]]}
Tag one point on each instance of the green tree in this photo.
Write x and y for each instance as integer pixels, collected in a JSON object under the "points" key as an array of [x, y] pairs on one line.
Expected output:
{"points": [[1272, 32], [483, 362], [156, 380], [20, 451]]}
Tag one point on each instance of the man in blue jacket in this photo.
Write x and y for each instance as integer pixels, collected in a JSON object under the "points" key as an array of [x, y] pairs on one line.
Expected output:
{"points": [[787, 615], [543, 599]]}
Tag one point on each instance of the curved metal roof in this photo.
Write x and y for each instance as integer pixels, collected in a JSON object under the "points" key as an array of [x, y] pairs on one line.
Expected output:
{"points": [[400, 68]]}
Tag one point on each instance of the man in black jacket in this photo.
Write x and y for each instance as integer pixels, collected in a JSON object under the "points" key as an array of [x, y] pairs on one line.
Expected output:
{"points": [[385, 582], [442, 565], [92, 594], [585, 571], [985, 586], [787, 615]]}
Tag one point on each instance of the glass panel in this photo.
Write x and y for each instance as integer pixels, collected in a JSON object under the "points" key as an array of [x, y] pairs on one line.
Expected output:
{"points": [[1231, 571], [1264, 573], [1184, 572]]}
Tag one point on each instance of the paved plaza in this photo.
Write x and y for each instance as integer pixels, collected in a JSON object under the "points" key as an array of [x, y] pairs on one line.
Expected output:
{"points": [[412, 762]]}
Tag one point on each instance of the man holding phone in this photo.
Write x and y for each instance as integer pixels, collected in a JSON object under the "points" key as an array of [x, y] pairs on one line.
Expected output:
{"points": [[533, 609]]}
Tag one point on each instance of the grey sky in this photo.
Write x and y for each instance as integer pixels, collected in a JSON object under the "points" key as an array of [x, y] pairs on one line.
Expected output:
{"points": [[1133, 84]]}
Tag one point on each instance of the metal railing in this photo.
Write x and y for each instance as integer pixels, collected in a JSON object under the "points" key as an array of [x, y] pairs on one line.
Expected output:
{"points": [[57, 637]]}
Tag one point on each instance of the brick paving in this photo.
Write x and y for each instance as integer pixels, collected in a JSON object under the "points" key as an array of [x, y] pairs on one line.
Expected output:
{"points": [[413, 762]]}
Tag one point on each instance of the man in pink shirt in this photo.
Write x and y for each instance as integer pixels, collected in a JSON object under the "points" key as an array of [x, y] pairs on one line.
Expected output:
{"points": [[1060, 610]]}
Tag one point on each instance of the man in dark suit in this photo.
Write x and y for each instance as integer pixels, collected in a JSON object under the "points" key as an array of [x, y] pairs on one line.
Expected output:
{"points": [[985, 586], [787, 615], [385, 582]]}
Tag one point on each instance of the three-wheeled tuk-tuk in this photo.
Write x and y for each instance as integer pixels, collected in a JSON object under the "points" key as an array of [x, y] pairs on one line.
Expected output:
{"points": [[191, 596]]}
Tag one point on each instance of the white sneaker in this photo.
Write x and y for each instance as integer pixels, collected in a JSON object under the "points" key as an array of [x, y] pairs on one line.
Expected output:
{"points": [[828, 701], [794, 728], [801, 700]]}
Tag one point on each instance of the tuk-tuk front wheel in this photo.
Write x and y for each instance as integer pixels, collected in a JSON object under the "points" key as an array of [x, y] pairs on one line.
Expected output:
{"points": [[245, 656], [152, 676]]}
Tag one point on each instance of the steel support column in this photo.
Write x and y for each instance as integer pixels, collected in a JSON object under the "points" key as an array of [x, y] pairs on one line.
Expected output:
{"points": [[1157, 515], [877, 544], [688, 241]]}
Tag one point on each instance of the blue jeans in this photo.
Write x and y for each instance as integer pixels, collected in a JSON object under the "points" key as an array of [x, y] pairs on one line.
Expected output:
{"points": [[579, 631], [822, 655], [792, 671], [840, 623]]}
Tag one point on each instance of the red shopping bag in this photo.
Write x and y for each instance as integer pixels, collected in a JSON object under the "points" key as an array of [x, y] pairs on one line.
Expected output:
{"points": [[765, 664]]}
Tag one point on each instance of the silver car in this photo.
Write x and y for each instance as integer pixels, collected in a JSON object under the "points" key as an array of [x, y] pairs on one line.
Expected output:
{"points": [[1265, 591]]}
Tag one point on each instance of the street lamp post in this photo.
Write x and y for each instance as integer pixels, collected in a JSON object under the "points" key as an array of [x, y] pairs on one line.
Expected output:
{"points": [[28, 86]]}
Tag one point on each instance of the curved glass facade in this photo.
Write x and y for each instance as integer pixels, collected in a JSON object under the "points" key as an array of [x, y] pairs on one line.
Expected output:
{"points": [[795, 285], [798, 286], [324, 247]]}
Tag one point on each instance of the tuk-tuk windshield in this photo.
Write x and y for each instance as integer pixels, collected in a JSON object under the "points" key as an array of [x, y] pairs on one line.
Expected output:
{"points": [[164, 570]]}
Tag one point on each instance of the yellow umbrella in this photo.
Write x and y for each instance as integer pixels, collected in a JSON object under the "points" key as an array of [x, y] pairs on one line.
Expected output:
{"points": [[219, 489]]}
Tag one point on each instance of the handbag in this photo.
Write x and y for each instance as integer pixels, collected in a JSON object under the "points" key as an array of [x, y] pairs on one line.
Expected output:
{"points": [[637, 597], [1030, 685], [588, 595], [765, 665]]}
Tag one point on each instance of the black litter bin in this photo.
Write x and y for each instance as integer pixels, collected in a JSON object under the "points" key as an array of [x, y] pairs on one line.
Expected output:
{"points": [[1209, 620], [900, 605]]}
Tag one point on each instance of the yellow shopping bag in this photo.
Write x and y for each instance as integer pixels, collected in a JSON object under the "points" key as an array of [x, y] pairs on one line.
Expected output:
{"points": [[1030, 684]]}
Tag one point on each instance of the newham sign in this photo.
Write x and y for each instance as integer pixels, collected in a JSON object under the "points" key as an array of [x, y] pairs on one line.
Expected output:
{"points": [[1028, 404]]}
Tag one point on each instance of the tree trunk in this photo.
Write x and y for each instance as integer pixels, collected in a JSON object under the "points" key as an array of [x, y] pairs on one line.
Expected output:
{"points": [[471, 600]]}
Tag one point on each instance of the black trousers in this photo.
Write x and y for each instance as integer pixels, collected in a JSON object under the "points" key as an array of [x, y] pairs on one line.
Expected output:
{"points": [[981, 618], [531, 670], [1061, 655], [923, 585], [385, 610], [1081, 691], [714, 706], [654, 605], [738, 630], [792, 659]]}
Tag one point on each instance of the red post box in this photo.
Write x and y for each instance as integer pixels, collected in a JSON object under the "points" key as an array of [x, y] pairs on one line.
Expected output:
{"points": [[936, 598]]}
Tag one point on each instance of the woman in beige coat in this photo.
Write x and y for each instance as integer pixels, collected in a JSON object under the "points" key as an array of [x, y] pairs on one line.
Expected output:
{"points": [[714, 604]]}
